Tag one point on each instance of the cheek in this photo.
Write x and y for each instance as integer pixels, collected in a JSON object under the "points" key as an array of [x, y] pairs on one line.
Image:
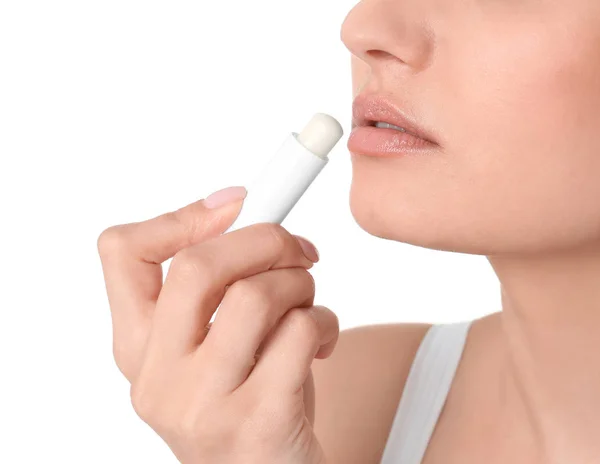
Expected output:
{"points": [[535, 87], [525, 135]]}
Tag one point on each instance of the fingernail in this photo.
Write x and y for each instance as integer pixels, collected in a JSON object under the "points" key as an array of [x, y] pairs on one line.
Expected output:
{"points": [[310, 251], [224, 197]]}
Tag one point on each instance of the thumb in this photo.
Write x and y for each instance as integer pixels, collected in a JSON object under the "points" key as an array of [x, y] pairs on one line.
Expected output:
{"points": [[160, 238]]}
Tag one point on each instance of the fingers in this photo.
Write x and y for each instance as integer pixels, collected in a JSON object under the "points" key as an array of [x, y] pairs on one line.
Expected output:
{"points": [[301, 335], [196, 281], [132, 254], [250, 309]]}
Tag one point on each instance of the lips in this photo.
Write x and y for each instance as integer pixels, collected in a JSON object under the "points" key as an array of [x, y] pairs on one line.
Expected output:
{"points": [[369, 140]]}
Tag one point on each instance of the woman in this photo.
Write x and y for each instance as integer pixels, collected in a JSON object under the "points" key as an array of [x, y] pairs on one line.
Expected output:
{"points": [[496, 153]]}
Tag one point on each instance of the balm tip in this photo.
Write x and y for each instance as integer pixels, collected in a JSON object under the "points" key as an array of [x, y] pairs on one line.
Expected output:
{"points": [[321, 134]]}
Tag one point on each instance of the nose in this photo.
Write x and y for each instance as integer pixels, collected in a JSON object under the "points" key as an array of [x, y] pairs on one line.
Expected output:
{"points": [[376, 31]]}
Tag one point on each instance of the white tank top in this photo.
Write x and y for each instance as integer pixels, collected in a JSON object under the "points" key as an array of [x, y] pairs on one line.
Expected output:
{"points": [[425, 393]]}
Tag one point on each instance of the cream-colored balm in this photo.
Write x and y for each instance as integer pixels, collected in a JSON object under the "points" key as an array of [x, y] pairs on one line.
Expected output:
{"points": [[289, 173]]}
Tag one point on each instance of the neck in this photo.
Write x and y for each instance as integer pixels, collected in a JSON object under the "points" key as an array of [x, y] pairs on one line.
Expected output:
{"points": [[551, 325]]}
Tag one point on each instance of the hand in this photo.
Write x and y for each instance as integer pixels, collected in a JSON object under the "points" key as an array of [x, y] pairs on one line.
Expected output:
{"points": [[242, 391]]}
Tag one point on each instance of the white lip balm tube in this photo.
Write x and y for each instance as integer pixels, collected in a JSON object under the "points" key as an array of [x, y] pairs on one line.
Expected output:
{"points": [[289, 173]]}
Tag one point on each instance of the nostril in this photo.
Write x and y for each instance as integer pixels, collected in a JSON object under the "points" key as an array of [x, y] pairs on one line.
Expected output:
{"points": [[379, 54]]}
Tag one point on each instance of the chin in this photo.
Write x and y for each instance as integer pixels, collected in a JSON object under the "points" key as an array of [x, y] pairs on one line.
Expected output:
{"points": [[389, 200], [405, 222]]}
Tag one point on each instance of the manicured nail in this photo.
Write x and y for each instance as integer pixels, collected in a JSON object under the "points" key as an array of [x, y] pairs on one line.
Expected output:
{"points": [[310, 251], [224, 197]]}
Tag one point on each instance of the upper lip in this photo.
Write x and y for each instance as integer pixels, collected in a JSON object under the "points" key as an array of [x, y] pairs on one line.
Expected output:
{"points": [[367, 109]]}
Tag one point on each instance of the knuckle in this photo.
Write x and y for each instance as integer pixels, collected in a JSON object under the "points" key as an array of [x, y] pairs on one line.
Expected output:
{"points": [[310, 282], [122, 359], [335, 320], [143, 402], [204, 425], [250, 293], [189, 424], [190, 223], [128, 346], [111, 241], [301, 322], [265, 418], [188, 264], [258, 420], [278, 236]]}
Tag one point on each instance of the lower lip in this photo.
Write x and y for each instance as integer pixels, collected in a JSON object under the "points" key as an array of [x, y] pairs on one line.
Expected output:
{"points": [[375, 141]]}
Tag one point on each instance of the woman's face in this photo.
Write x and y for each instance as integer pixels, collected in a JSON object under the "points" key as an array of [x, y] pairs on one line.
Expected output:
{"points": [[511, 90]]}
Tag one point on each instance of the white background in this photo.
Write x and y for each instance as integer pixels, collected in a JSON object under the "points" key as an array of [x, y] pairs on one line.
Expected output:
{"points": [[117, 111]]}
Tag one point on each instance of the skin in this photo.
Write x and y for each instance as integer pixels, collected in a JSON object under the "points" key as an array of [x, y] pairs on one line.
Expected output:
{"points": [[511, 91]]}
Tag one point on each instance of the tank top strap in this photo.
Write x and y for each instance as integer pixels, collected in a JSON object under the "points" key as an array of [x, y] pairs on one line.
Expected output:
{"points": [[425, 393]]}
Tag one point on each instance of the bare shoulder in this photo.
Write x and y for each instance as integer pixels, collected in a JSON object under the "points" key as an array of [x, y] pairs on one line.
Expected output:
{"points": [[358, 388]]}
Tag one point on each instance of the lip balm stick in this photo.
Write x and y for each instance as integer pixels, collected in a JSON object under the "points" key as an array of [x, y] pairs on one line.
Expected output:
{"points": [[289, 173]]}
